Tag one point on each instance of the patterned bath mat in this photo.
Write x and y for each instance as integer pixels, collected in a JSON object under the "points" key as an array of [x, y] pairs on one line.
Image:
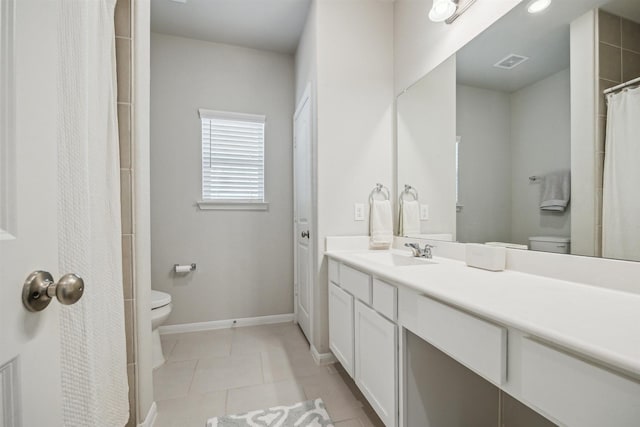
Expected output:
{"points": [[311, 413]]}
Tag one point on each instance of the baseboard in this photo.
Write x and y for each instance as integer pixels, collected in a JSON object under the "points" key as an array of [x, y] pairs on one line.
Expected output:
{"points": [[322, 359], [150, 419], [225, 324]]}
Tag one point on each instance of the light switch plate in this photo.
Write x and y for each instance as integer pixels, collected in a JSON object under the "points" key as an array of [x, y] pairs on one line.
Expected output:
{"points": [[424, 212], [358, 212]]}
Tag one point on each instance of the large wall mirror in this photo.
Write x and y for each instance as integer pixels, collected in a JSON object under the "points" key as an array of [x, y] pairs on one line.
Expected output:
{"points": [[512, 141]]}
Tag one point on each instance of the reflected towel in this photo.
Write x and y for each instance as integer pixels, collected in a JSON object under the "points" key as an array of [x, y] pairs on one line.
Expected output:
{"points": [[409, 218], [556, 191], [381, 224]]}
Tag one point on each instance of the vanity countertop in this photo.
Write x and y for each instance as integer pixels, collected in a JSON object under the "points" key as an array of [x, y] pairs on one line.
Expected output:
{"points": [[596, 322]]}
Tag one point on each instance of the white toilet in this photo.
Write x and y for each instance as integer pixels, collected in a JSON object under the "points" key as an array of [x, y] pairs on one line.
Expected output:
{"points": [[160, 310], [558, 245]]}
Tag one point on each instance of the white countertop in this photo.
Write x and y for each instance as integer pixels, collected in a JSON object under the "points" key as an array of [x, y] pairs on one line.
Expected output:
{"points": [[599, 323]]}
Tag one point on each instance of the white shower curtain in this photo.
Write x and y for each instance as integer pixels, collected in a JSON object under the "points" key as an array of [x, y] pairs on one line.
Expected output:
{"points": [[620, 201], [94, 365]]}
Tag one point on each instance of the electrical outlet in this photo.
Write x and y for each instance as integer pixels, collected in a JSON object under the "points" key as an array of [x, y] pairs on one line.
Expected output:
{"points": [[424, 212], [358, 212]]}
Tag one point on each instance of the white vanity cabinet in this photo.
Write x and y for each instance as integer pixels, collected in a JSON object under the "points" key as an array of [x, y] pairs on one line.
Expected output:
{"points": [[376, 361], [341, 329], [362, 338], [558, 383], [425, 349]]}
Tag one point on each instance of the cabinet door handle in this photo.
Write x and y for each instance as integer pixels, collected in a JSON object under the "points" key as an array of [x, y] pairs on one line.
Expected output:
{"points": [[305, 234]]}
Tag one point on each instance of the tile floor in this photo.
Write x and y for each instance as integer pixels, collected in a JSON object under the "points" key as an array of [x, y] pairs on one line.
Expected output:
{"points": [[237, 370]]}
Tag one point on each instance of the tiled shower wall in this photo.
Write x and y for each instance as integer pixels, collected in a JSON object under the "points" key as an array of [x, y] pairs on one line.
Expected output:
{"points": [[124, 59], [618, 62]]}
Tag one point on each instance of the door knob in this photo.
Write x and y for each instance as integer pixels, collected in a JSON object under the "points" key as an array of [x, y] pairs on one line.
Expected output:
{"points": [[305, 234], [39, 289]]}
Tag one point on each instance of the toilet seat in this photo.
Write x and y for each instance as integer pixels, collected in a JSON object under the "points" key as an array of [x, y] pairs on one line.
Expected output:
{"points": [[159, 299]]}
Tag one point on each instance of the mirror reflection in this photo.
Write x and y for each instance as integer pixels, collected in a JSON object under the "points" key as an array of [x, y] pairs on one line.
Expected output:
{"points": [[533, 154]]}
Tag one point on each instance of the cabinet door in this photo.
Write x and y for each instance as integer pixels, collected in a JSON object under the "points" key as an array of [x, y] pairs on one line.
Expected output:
{"points": [[375, 360], [341, 326]]}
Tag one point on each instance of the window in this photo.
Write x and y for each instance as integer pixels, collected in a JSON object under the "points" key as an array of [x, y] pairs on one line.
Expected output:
{"points": [[232, 160]]}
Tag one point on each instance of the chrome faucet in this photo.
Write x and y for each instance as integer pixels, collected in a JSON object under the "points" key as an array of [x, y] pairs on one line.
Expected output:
{"points": [[420, 253]]}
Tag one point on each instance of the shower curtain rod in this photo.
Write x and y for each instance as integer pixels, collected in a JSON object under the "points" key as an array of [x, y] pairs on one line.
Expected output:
{"points": [[622, 86]]}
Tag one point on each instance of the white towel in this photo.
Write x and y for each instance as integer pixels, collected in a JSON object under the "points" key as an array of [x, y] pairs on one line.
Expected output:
{"points": [[556, 191], [409, 218], [381, 224]]}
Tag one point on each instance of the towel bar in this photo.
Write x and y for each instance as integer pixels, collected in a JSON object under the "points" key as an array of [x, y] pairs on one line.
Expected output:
{"points": [[379, 189], [410, 191]]}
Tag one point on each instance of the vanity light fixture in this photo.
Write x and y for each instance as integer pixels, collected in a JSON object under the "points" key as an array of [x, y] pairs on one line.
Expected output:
{"points": [[448, 10], [442, 10], [537, 6]]}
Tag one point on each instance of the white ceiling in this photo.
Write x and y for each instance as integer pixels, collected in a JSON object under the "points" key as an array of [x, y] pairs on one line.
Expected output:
{"points": [[543, 38], [274, 25]]}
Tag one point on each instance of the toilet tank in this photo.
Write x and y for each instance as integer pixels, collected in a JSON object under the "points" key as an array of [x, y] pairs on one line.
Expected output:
{"points": [[558, 245]]}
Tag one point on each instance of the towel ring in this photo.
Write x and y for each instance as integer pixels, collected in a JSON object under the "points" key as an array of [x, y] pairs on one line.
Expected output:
{"points": [[409, 190], [379, 189]]}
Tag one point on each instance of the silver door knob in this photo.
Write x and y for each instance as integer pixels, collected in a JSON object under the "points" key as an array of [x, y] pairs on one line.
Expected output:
{"points": [[39, 289]]}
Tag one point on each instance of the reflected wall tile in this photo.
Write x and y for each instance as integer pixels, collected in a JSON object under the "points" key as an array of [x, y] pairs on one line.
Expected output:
{"points": [[610, 63], [630, 65], [604, 85], [609, 28], [630, 35]]}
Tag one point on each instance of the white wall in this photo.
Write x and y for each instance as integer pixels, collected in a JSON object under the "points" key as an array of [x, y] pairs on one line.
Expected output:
{"points": [[426, 132], [142, 205], [244, 258], [420, 45], [347, 53], [306, 57], [484, 123], [506, 138], [541, 143], [585, 235], [306, 65]]}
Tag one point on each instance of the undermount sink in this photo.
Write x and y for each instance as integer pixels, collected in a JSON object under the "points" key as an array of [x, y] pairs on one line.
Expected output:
{"points": [[391, 259]]}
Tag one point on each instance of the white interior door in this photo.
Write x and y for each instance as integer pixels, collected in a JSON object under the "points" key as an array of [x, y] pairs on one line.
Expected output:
{"points": [[30, 392], [303, 214]]}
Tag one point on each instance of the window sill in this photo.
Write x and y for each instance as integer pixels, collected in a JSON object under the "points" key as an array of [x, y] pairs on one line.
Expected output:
{"points": [[209, 205]]}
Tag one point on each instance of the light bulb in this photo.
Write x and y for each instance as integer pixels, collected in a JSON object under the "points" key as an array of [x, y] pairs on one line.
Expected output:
{"points": [[537, 6], [442, 10]]}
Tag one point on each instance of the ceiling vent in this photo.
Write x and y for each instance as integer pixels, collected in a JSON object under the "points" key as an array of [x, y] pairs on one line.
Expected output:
{"points": [[510, 62]]}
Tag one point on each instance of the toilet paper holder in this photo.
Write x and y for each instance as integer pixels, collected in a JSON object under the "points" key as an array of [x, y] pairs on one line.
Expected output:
{"points": [[178, 268]]}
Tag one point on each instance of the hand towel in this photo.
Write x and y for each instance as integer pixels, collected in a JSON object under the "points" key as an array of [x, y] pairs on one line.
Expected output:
{"points": [[381, 224], [409, 218], [556, 191]]}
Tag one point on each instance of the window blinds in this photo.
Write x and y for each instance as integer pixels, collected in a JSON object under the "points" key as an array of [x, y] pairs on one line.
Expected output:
{"points": [[232, 156]]}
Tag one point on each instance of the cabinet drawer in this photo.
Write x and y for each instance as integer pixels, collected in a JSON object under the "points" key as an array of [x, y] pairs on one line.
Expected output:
{"points": [[356, 283], [476, 343], [575, 392], [334, 271], [385, 299]]}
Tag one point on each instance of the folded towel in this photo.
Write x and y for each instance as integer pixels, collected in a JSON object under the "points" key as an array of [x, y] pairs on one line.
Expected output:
{"points": [[409, 218], [556, 191], [381, 224]]}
